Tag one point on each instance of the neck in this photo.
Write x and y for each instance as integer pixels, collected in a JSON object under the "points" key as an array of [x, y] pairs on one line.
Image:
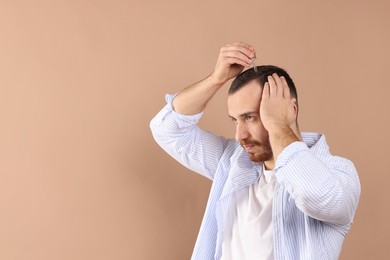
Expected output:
{"points": [[297, 132], [269, 165]]}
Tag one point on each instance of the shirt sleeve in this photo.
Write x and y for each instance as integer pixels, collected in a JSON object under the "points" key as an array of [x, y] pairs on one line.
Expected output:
{"points": [[180, 136], [327, 189]]}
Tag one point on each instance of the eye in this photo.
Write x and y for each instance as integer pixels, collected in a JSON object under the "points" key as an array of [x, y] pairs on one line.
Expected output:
{"points": [[233, 120], [249, 118]]}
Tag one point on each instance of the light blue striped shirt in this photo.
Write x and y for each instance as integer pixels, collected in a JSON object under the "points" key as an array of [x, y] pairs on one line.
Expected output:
{"points": [[316, 193]]}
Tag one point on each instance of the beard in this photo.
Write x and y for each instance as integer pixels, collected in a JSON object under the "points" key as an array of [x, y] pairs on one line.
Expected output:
{"points": [[261, 151]]}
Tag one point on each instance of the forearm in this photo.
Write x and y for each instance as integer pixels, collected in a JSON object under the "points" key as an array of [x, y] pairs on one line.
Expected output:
{"points": [[323, 186], [181, 138], [193, 99]]}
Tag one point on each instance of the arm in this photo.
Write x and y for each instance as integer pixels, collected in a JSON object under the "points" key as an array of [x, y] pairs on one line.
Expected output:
{"points": [[278, 112], [175, 127], [180, 136], [324, 187]]}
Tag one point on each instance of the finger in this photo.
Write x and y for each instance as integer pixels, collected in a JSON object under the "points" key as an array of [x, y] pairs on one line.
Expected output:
{"points": [[245, 45], [272, 86], [265, 91], [286, 89], [237, 55], [279, 85], [232, 61], [248, 51]]}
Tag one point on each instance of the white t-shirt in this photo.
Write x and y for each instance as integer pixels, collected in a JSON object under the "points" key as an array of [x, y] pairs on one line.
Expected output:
{"points": [[248, 232]]}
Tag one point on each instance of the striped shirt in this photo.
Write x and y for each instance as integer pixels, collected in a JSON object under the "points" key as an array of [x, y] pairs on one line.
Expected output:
{"points": [[315, 197]]}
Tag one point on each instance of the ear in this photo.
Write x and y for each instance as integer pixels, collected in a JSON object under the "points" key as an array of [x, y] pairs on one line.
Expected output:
{"points": [[295, 108], [294, 100]]}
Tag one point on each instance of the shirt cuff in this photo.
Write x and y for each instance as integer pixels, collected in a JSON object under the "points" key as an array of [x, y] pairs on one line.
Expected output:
{"points": [[182, 120], [288, 152]]}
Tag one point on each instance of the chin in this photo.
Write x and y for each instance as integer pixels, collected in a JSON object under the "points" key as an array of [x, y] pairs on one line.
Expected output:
{"points": [[260, 157]]}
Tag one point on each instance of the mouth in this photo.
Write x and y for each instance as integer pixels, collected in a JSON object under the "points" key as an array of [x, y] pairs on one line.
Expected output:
{"points": [[248, 147]]}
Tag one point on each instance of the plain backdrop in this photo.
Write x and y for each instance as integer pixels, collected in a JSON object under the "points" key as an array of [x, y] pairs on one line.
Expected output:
{"points": [[80, 174]]}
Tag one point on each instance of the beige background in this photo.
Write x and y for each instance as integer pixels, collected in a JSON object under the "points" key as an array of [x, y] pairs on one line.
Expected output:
{"points": [[80, 175]]}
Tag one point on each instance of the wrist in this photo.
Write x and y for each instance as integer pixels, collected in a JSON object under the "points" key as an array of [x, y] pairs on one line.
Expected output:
{"points": [[277, 129], [280, 137], [215, 81], [281, 133]]}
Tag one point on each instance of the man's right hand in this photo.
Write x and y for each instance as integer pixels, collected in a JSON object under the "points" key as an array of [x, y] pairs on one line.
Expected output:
{"points": [[232, 60]]}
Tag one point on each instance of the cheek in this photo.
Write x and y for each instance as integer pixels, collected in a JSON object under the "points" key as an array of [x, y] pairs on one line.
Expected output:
{"points": [[258, 131]]}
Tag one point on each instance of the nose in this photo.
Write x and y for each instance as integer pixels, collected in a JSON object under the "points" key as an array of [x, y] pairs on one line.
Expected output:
{"points": [[242, 132]]}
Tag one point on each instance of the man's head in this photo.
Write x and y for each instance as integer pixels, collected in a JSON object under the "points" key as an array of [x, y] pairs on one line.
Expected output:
{"points": [[261, 75], [244, 109]]}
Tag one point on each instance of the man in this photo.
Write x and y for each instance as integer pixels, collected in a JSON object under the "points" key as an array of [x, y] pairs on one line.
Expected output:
{"points": [[277, 193]]}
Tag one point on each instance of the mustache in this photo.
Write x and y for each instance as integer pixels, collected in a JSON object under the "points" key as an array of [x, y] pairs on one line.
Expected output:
{"points": [[249, 142]]}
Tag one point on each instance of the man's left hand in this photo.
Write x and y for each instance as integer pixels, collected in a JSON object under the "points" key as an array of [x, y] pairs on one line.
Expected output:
{"points": [[278, 112], [277, 109]]}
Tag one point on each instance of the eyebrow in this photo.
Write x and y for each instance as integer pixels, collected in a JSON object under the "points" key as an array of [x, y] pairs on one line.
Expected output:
{"points": [[245, 114]]}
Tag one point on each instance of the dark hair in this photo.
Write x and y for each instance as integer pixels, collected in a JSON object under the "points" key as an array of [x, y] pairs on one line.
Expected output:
{"points": [[262, 73]]}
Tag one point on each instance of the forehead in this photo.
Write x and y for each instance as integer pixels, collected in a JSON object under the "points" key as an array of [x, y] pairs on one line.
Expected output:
{"points": [[245, 99]]}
